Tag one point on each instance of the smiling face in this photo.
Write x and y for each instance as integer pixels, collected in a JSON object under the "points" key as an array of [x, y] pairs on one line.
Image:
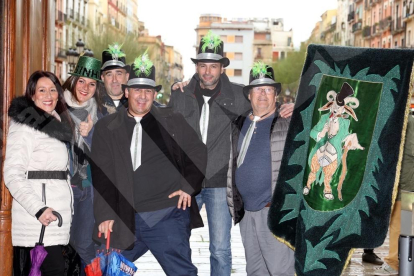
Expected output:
{"points": [[85, 89], [209, 74], [263, 99], [113, 80], [140, 100], [46, 95]]}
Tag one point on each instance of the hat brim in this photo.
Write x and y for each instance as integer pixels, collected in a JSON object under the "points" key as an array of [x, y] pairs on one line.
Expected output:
{"points": [[276, 85], [157, 88], [225, 61], [78, 75], [111, 67]]}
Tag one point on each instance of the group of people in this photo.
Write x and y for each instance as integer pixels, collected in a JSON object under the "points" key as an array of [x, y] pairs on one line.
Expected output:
{"points": [[113, 161]]}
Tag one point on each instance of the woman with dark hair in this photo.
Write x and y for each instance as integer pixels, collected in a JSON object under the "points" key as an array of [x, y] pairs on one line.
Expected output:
{"points": [[36, 163], [83, 98]]}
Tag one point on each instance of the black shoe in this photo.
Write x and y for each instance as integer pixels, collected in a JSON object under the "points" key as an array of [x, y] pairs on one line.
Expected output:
{"points": [[371, 258]]}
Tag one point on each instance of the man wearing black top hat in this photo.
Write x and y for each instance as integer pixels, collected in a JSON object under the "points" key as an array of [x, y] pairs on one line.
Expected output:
{"points": [[144, 195], [209, 103], [114, 73], [258, 139]]}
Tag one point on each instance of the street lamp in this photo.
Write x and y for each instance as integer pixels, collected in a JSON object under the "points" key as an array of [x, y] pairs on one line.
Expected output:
{"points": [[74, 53], [80, 45]]}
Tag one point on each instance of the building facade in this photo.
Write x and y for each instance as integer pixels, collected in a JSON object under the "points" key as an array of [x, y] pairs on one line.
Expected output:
{"points": [[246, 41]]}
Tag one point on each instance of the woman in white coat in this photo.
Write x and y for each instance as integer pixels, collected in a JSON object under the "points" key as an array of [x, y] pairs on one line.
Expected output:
{"points": [[37, 153]]}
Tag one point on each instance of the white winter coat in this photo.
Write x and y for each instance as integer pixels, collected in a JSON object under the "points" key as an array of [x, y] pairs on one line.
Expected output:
{"points": [[29, 149]]}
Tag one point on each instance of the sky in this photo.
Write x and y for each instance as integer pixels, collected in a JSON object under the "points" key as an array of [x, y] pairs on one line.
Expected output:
{"points": [[176, 20]]}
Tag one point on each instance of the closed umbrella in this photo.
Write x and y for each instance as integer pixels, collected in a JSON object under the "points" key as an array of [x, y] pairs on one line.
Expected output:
{"points": [[38, 253]]}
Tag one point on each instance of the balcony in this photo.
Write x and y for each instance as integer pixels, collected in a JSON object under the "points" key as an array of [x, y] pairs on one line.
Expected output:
{"points": [[351, 16], [375, 29], [60, 17], [366, 32], [60, 53], [409, 11], [356, 27], [70, 14], [331, 28], [385, 24], [368, 4], [397, 26], [372, 3]]}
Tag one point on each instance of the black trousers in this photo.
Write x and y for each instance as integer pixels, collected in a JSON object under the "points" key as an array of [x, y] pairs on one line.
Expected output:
{"points": [[53, 265]]}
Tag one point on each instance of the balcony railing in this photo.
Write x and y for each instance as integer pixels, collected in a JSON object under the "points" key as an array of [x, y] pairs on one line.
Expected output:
{"points": [[397, 25], [351, 16], [409, 9], [385, 23], [71, 14], [60, 52], [374, 29], [357, 26], [61, 16], [366, 32]]}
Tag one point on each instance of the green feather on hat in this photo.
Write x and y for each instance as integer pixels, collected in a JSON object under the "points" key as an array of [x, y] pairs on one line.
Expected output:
{"points": [[143, 65], [211, 41], [259, 70], [115, 51]]}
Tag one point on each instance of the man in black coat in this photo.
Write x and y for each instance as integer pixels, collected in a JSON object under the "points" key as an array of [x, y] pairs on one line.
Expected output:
{"points": [[143, 193]]}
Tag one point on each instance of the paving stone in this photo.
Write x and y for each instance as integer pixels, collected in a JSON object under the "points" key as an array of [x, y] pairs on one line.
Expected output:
{"points": [[199, 241]]}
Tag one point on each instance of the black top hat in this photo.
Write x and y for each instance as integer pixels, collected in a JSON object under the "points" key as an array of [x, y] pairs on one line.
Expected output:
{"points": [[262, 75], [346, 91], [211, 50], [113, 58], [142, 74]]}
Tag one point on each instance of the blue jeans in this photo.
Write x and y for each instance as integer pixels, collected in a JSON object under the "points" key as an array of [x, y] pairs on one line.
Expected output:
{"points": [[168, 240], [219, 226], [81, 229]]}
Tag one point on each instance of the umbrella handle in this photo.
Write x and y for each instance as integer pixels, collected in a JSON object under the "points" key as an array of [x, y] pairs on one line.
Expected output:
{"points": [[59, 218], [108, 241]]}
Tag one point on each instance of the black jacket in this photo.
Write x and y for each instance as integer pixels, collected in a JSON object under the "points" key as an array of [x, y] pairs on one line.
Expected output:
{"points": [[226, 107], [112, 172]]}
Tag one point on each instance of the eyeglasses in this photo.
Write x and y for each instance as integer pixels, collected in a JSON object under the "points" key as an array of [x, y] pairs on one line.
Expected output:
{"points": [[259, 90]]}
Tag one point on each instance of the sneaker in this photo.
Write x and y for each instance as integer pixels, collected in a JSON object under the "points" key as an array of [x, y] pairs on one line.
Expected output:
{"points": [[385, 269], [371, 258]]}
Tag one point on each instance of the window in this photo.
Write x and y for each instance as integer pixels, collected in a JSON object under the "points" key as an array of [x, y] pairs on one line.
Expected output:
{"points": [[289, 41], [239, 39], [275, 56], [282, 55], [396, 44], [267, 36], [237, 72], [259, 53], [230, 55], [238, 56], [223, 38]]}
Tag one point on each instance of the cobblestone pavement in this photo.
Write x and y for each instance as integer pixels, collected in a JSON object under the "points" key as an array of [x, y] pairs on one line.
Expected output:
{"points": [[148, 265]]}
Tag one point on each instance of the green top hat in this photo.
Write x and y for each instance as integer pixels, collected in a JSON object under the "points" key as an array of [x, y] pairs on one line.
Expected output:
{"points": [[88, 67]]}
